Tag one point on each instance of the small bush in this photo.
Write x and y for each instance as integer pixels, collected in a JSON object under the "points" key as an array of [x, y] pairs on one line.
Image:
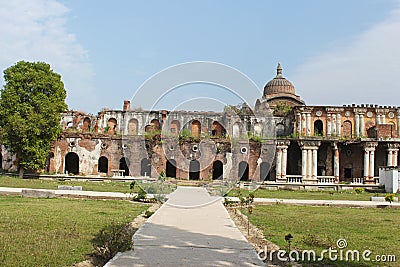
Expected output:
{"points": [[389, 198], [359, 190], [148, 213], [141, 195], [113, 238]]}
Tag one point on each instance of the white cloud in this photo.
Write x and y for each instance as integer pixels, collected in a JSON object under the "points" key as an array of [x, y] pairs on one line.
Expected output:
{"points": [[366, 70], [35, 30]]}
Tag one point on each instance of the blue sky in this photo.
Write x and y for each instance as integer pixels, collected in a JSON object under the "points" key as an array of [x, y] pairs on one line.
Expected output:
{"points": [[334, 52]]}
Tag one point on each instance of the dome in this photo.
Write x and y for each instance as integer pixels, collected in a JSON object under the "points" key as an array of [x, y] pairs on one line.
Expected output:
{"points": [[279, 85]]}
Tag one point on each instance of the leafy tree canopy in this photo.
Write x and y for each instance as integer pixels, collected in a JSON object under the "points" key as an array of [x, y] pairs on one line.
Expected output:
{"points": [[30, 105]]}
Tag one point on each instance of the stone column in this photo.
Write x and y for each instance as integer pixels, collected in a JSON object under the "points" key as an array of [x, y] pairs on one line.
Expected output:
{"points": [[309, 161], [284, 162], [299, 124], [328, 124], [336, 167], [314, 163], [304, 164], [309, 164], [339, 125], [383, 119], [395, 158], [356, 125], [308, 124], [378, 119], [366, 164], [371, 165], [303, 124], [278, 164], [369, 162], [362, 126], [390, 157], [334, 132]]}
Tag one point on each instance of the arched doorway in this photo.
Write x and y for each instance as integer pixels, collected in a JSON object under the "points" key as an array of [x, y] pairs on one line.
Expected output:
{"points": [[196, 128], [145, 167], [218, 170], [133, 127], [236, 130], [243, 171], [194, 170], [103, 164], [174, 127], [156, 124], [72, 163], [264, 171], [124, 165], [170, 168], [318, 128]]}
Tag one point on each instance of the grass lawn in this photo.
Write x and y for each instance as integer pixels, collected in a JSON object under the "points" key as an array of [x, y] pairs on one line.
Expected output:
{"points": [[319, 228], [301, 194], [55, 232], [122, 187]]}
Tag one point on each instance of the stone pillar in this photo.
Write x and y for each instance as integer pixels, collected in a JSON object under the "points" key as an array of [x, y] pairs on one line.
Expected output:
{"points": [[366, 164], [383, 119], [336, 160], [338, 124], [328, 124], [371, 165], [378, 119], [395, 158], [304, 164], [314, 163], [309, 161], [390, 158], [357, 125], [369, 162], [308, 124], [278, 164], [281, 160], [362, 126], [299, 124], [334, 132], [303, 124]]}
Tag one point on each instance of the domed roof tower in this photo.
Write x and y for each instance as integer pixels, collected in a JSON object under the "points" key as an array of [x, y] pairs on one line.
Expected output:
{"points": [[280, 90]]}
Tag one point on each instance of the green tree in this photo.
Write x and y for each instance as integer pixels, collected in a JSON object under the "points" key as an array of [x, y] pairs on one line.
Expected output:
{"points": [[30, 105]]}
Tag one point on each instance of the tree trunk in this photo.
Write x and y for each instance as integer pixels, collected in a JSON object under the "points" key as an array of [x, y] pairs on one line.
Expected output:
{"points": [[21, 172]]}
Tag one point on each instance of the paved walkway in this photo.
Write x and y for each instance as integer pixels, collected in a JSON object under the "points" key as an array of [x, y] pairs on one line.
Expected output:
{"points": [[184, 232]]}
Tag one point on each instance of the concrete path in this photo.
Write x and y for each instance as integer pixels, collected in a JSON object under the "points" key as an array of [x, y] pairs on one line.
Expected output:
{"points": [[196, 235]]}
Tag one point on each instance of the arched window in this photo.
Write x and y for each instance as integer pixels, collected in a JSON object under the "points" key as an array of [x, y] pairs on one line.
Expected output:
{"points": [[318, 128], [145, 167], [133, 126], [103, 164], [280, 129], [72, 163], [347, 129], [174, 127], [170, 168], [218, 170], [124, 165], [86, 124], [196, 128], [112, 126], [217, 129], [243, 171], [194, 170], [156, 124], [236, 129]]}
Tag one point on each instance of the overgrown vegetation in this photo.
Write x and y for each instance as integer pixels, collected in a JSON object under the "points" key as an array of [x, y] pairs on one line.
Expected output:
{"points": [[282, 109], [55, 232]]}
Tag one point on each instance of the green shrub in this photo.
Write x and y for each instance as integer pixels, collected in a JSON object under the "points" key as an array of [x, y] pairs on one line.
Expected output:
{"points": [[359, 190], [111, 239], [389, 198], [148, 213]]}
